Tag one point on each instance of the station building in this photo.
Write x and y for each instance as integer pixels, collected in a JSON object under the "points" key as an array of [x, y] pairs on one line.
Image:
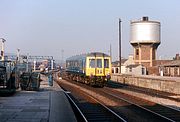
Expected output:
{"points": [[128, 66], [170, 68]]}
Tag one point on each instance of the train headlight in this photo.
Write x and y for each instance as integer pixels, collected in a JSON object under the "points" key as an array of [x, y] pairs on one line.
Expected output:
{"points": [[91, 75]]}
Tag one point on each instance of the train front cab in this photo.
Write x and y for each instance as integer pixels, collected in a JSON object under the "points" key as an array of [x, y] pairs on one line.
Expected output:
{"points": [[98, 69]]}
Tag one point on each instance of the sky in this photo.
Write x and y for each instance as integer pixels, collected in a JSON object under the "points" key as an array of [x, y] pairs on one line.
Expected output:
{"points": [[63, 28]]}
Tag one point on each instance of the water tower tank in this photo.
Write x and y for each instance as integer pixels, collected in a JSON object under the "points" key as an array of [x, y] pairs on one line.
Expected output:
{"points": [[145, 39], [145, 31]]}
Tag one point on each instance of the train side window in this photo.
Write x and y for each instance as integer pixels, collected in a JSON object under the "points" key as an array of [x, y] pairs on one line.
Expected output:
{"points": [[99, 63], [91, 63], [106, 63]]}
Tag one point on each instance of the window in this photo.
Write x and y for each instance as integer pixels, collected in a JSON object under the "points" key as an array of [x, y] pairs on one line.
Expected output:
{"points": [[106, 63], [175, 71], [117, 70], [130, 69], [137, 51], [91, 63], [143, 71], [99, 63], [95, 63]]}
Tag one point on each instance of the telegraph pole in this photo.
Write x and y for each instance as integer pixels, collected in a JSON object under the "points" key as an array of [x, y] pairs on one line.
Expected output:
{"points": [[119, 46], [62, 62], [110, 51]]}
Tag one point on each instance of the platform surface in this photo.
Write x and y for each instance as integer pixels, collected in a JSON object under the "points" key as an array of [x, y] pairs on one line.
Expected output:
{"points": [[49, 104]]}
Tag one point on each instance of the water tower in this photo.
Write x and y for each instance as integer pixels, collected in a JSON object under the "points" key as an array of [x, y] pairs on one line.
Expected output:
{"points": [[145, 39]]}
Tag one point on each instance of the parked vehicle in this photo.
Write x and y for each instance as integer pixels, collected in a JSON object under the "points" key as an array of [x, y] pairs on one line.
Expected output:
{"points": [[7, 77]]}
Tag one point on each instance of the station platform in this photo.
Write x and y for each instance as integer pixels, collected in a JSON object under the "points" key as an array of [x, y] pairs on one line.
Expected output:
{"points": [[49, 104]]}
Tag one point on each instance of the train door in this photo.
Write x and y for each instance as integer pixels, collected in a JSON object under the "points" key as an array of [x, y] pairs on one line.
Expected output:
{"points": [[90, 66], [99, 67], [107, 66]]}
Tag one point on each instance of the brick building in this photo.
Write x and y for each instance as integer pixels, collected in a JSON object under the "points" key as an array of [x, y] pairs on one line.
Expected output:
{"points": [[171, 68]]}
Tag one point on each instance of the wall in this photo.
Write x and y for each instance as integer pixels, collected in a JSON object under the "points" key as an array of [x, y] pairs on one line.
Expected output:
{"points": [[166, 84], [135, 70], [145, 51], [115, 70]]}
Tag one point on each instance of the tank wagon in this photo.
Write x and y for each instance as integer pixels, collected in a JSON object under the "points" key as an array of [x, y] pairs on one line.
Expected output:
{"points": [[92, 68]]}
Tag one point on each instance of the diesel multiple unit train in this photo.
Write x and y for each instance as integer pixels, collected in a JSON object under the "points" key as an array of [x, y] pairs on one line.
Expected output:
{"points": [[92, 68]]}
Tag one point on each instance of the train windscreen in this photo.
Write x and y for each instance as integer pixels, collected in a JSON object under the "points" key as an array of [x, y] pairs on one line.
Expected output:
{"points": [[106, 63]]}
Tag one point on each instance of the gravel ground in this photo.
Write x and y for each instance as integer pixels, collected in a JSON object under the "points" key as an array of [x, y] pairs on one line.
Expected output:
{"points": [[162, 101], [94, 94]]}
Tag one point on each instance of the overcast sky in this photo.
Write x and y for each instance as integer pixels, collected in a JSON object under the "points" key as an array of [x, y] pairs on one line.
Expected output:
{"points": [[46, 27]]}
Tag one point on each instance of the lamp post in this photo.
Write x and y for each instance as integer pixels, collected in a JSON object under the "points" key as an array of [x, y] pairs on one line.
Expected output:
{"points": [[119, 46], [27, 63], [34, 65], [18, 55], [2, 48]]}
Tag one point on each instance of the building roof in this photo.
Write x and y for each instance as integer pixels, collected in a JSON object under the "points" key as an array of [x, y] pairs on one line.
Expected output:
{"points": [[116, 63], [172, 63], [133, 65]]}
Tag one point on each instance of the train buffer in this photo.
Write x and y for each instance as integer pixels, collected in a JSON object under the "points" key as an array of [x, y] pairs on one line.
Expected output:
{"points": [[48, 104]]}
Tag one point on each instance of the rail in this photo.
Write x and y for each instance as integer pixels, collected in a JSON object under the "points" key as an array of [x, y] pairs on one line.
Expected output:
{"points": [[91, 109], [166, 116], [77, 111]]}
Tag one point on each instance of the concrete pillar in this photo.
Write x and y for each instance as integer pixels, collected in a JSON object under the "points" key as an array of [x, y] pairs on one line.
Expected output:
{"points": [[155, 53], [172, 71], [135, 55]]}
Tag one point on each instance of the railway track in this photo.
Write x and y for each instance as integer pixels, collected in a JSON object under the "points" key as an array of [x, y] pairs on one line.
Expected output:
{"points": [[167, 113], [131, 109], [88, 109]]}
